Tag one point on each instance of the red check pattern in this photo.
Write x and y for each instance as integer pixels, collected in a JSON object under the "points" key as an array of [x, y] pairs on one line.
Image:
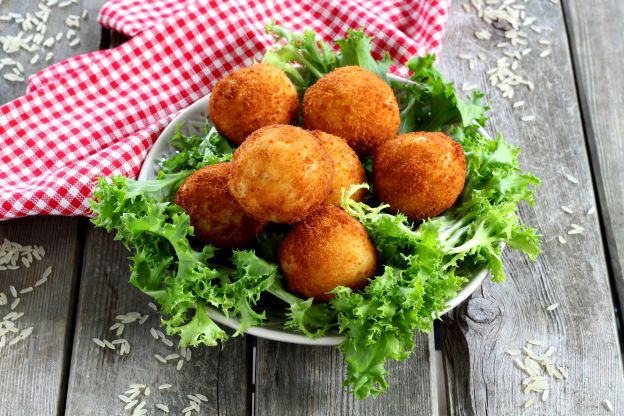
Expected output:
{"points": [[98, 114]]}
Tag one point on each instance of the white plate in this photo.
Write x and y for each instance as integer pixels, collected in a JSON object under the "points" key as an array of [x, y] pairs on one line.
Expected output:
{"points": [[192, 119]]}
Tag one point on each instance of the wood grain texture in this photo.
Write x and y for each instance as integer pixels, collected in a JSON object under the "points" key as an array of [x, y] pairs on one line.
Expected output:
{"points": [[98, 376], [481, 378], [34, 370], [300, 380], [596, 35], [89, 34]]}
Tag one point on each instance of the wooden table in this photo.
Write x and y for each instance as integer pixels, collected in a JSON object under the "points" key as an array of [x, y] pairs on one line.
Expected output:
{"points": [[578, 130]]}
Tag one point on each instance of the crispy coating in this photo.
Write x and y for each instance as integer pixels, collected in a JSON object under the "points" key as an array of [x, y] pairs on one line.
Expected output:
{"points": [[347, 167], [329, 248], [280, 174], [251, 98], [215, 215], [355, 104], [419, 174]]}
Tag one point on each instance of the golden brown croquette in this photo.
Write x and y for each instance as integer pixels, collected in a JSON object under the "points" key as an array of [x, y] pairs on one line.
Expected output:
{"points": [[327, 249], [355, 104], [347, 167], [280, 174], [251, 98], [419, 174], [215, 215]]}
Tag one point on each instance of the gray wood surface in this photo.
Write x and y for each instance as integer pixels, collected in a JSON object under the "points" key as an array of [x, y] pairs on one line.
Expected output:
{"points": [[598, 57], [89, 34], [481, 378], [98, 375], [34, 371], [294, 380], [299, 380]]}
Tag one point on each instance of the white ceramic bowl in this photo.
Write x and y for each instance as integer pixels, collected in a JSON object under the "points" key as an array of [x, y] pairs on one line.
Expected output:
{"points": [[193, 119]]}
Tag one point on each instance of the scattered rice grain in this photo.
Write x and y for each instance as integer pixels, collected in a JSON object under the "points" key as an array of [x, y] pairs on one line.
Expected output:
{"points": [[553, 306], [571, 178], [130, 405], [607, 405]]}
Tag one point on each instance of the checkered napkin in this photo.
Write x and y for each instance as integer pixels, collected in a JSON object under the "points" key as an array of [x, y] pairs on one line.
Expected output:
{"points": [[98, 114]]}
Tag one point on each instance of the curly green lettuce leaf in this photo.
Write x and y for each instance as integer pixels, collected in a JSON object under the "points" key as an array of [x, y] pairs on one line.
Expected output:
{"points": [[181, 279], [305, 59], [425, 265], [429, 102], [194, 152]]}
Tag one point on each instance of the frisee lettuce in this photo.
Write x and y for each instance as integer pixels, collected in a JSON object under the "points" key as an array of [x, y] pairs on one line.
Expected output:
{"points": [[423, 265]]}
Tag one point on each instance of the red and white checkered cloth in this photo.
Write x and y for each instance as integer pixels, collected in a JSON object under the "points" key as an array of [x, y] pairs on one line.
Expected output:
{"points": [[98, 114]]}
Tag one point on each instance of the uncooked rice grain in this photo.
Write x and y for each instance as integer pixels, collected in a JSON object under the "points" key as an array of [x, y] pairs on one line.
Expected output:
{"points": [[167, 342], [591, 211], [164, 386], [26, 290], [15, 303], [607, 405], [179, 365], [3, 299], [162, 407], [160, 358], [201, 397], [13, 291], [571, 178], [561, 239], [130, 405], [567, 209], [552, 307]]}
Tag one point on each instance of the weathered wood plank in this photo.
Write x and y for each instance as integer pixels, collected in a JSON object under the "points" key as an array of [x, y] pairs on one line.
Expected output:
{"points": [[597, 49], [300, 380], [481, 378], [35, 369], [98, 375], [89, 34]]}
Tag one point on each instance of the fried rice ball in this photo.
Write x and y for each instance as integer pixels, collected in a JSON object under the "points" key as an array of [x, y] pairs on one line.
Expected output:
{"points": [[215, 215], [419, 174], [355, 104], [328, 248], [250, 98], [280, 174], [347, 167]]}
